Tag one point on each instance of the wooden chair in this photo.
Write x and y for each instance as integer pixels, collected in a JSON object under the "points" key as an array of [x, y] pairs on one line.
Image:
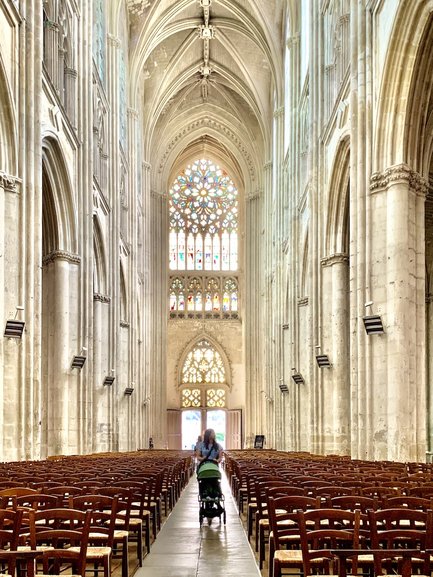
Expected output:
{"points": [[284, 536], [64, 533], [262, 489], [64, 492], [36, 501], [401, 528], [353, 502], [10, 525], [322, 530], [410, 502], [405, 560], [8, 496], [101, 533], [123, 526]]}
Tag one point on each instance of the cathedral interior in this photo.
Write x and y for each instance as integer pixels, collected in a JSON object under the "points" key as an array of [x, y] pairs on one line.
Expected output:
{"points": [[216, 213]]}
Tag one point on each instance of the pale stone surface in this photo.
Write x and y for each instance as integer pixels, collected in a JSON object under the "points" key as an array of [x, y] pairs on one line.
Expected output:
{"points": [[320, 113]]}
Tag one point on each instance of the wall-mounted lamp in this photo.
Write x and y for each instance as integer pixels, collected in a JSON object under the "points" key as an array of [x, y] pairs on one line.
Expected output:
{"points": [[372, 323], [283, 387], [323, 361], [14, 328], [297, 377], [128, 391], [79, 360], [109, 379]]}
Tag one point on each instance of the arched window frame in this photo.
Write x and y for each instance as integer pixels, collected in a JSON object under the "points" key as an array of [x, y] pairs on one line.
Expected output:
{"points": [[203, 293], [204, 387]]}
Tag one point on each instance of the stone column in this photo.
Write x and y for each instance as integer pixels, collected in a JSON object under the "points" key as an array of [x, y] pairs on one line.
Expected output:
{"points": [[159, 316], [51, 42], [314, 378], [335, 343], [102, 426], [275, 410], [62, 399], [147, 305], [114, 394], [268, 304], [291, 318], [398, 292], [12, 395], [252, 303], [135, 376], [70, 97], [361, 233]]}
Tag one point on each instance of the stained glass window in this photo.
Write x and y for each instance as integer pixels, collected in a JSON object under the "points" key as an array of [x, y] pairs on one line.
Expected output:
{"points": [[191, 398], [203, 364], [203, 219], [215, 398], [203, 296]]}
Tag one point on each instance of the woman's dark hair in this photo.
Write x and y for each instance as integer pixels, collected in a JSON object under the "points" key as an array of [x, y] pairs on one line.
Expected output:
{"points": [[206, 439]]}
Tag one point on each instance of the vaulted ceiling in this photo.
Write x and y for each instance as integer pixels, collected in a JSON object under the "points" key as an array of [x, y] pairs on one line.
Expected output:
{"points": [[206, 77]]}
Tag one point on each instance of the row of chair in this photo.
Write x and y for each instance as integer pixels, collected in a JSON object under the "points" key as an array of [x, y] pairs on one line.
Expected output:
{"points": [[320, 482], [121, 494]]}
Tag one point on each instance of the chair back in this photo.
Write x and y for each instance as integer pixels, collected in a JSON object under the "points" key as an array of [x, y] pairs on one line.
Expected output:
{"points": [[323, 530]]}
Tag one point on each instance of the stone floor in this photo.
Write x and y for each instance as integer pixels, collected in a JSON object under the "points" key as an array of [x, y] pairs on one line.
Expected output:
{"points": [[183, 549]]}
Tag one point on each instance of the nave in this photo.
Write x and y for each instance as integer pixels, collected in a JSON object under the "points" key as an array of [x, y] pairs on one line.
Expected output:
{"points": [[183, 549]]}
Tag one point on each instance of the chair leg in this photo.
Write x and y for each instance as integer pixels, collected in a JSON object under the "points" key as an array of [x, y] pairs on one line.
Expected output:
{"points": [[125, 567], [271, 557], [261, 545], [147, 536]]}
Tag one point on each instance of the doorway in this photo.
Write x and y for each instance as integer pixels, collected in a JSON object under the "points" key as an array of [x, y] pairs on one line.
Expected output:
{"points": [[194, 423]]}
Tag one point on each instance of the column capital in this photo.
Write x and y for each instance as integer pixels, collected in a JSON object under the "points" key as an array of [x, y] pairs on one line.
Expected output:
{"points": [[255, 194], [399, 173], [9, 183], [101, 298], [293, 41], [113, 40], [337, 258], [61, 255], [132, 112], [71, 72], [279, 112], [268, 165], [159, 195], [146, 165]]}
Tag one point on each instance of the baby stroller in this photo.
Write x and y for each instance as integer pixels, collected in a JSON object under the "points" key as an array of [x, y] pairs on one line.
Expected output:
{"points": [[210, 496]]}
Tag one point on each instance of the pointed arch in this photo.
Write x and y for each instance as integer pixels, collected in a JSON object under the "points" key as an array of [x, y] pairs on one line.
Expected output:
{"points": [[404, 74], [338, 205], [59, 214], [418, 140], [196, 342], [123, 294], [304, 266], [8, 129], [100, 259]]}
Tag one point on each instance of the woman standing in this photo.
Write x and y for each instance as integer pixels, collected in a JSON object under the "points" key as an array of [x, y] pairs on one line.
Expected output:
{"points": [[208, 449]]}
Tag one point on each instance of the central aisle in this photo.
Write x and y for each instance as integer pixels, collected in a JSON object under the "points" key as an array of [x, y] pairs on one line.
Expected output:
{"points": [[182, 549]]}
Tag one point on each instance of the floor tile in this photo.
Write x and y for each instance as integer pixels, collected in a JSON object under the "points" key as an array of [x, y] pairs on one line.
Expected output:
{"points": [[184, 549]]}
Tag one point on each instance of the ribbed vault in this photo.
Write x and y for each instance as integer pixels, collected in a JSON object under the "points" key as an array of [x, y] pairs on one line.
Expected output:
{"points": [[206, 73]]}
